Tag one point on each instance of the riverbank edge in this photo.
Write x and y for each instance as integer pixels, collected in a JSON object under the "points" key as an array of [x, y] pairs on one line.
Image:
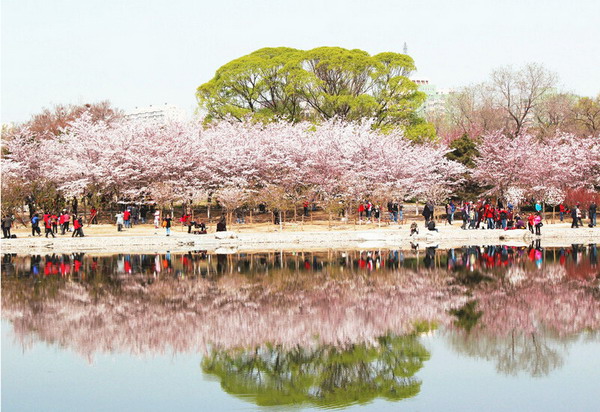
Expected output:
{"points": [[233, 242]]}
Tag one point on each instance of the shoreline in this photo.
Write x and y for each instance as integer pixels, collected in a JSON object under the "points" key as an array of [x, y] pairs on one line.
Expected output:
{"points": [[154, 241]]}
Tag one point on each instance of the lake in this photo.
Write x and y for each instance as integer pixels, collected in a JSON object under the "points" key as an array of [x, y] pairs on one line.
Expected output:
{"points": [[471, 328]]}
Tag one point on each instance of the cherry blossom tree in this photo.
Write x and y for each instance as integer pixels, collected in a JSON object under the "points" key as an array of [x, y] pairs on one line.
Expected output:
{"points": [[336, 161]]}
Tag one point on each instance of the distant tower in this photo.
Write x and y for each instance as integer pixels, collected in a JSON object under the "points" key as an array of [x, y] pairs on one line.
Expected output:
{"points": [[405, 49]]}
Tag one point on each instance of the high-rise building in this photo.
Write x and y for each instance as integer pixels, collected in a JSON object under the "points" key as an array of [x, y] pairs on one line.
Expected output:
{"points": [[436, 98]]}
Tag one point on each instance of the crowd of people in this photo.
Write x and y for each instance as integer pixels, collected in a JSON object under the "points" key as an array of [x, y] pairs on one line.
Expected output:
{"points": [[482, 214], [53, 223]]}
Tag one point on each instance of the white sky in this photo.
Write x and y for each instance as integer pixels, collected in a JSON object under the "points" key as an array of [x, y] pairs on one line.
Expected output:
{"points": [[142, 52]]}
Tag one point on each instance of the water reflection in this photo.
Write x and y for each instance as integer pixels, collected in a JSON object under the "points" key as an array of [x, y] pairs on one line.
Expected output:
{"points": [[325, 376], [328, 327]]}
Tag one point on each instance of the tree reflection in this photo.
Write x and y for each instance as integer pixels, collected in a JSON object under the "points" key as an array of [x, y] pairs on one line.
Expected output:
{"points": [[536, 354], [324, 376], [467, 316], [153, 303]]}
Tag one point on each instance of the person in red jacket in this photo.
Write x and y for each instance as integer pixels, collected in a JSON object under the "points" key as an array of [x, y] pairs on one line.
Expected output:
{"points": [[127, 218], [530, 220], [78, 226], [561, 211], [48, 225]]}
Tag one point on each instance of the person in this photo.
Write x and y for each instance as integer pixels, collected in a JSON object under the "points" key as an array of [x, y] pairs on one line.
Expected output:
{"points": [[46, 218], [221, 226], [54, 221], [427, 212], [127, 218], [74, 205], [561, 211], [6, 225], [143, 212], [575, 218], [376, 213], [119, 217], [167, 224], [503, 218], [361, 210], [519, 224], [48, 226], [135, 213], [537, 222], [530, 222], [489, 215], [77, 226], [465, 215], [200, 228], [81, 226], [450, 210], [66, 219], [414, 228], [35, 225], [390, 212], [156, 218], [431, 226], [592, 211], [400, 213], [538, 207], [579, 215], [305, 207], [369, 210], [93, 216], [240, 216]]}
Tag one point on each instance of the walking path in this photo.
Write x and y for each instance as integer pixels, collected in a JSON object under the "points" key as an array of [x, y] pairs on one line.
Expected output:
{"points": [[144, 238]]}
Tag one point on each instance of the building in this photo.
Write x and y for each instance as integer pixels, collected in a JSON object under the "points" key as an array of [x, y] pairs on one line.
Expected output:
{"points": [[435, 98], [161, 113]]}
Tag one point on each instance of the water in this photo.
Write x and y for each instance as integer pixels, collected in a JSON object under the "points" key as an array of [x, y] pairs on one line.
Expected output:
{"points": [[495, 328]]}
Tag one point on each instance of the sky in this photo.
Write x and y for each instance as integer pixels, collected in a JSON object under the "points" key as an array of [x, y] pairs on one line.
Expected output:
{"points": [[142, 52]]}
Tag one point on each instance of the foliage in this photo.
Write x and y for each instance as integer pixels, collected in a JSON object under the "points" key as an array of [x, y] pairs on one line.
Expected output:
{"points": [[464, 151], [323, 376], [545, 169], [133, 159], [317, 85], [53, 121]]}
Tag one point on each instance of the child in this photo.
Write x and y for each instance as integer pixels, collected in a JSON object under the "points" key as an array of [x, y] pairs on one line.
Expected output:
{"points": [[414, 228]]}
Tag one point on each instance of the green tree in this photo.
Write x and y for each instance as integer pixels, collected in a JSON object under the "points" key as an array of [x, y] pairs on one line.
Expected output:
{"points": [[464, 151], [325, 376], [294, 85]]}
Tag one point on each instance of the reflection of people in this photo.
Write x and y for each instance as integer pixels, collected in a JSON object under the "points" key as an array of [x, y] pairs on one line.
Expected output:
{"points": [[429, 259]]}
